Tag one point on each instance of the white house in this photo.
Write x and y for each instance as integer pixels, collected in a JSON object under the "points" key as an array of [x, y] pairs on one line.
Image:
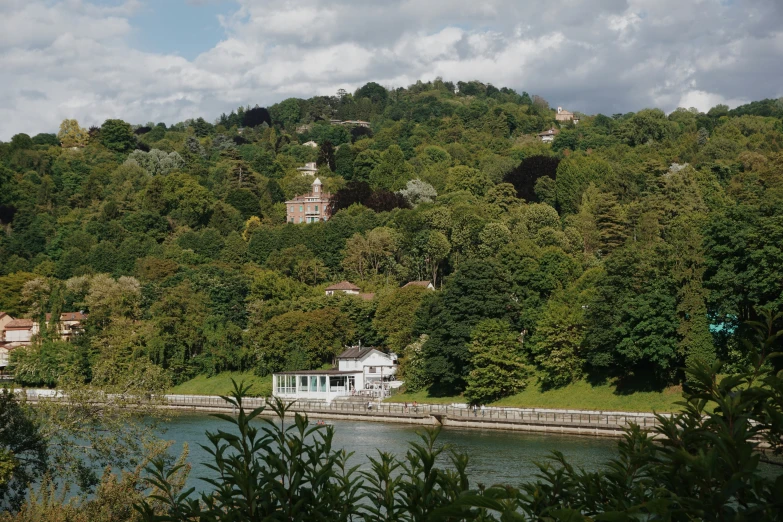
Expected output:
{"points": [[360, 371], [310, 143], [345, 287], [548, 136], [310, 169]]}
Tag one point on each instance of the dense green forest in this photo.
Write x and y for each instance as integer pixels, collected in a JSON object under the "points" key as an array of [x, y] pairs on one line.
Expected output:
{"points": [[629, 246]]}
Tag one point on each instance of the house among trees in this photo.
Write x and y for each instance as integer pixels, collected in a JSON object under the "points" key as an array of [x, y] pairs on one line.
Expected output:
{"points": [[312, 144], [564, 115], [423, 284], [19, 332], [344, 287], [310, 169], [360, 371], [70, 324], [310, 208], [349, 289], [548, 136]]}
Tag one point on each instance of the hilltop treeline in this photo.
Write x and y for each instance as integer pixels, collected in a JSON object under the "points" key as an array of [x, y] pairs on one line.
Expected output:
{"points": [[628, 246]]}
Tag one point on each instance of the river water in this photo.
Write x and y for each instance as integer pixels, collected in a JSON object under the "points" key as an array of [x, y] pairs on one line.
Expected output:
{"points": [[496, 457]]}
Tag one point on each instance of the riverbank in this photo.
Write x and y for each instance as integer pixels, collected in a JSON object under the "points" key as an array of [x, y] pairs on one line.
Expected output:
{"points": [[575, 422]]}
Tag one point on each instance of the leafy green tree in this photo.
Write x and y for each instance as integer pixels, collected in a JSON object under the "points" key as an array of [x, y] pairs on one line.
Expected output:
{"points": [[478, 290], [23, 451], [633, 318], [11, 286], [117, 136], [395, 316], [574, 174], [498, 366], [300, 340], [179, 318], [326, 156], [72, 135], [648, 125]]}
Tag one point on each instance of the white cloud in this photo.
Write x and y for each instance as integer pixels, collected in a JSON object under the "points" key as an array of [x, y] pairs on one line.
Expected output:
{"points": [[73, 58], [704, 101]]}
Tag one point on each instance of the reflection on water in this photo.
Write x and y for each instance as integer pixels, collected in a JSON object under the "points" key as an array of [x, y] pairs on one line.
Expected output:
{"points": [[495, 456]]}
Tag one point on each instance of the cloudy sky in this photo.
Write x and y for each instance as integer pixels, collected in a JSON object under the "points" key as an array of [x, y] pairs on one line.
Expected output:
{"points": [[169, 60]]}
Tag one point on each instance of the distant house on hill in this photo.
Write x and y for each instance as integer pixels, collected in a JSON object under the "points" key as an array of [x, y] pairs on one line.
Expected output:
{"points": [[548, 136], [564, 115], [347, 288], [310, 143], [344, 287], [310, 208], [309, 169], [422, 284]]}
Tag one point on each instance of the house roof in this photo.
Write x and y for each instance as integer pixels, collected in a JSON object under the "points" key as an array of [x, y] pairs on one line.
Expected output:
{"points": [[2, 314], [22, 324], [343, 285], [423, 284], [550, 132], [320, 372], [69, 316], [355, 352]]}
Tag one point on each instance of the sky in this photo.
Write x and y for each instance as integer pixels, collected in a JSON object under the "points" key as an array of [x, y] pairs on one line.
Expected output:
{"points": [[170, 60]]}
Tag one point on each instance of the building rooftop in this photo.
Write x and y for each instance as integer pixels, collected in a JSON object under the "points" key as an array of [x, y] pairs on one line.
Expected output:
{"points": [[355, 352], [343, 285], [320, 372], [69, 316], [22, 324], [423, 284]]}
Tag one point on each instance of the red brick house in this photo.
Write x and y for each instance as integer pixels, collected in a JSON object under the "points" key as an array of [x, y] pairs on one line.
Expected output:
{"points": [[310, 208]]}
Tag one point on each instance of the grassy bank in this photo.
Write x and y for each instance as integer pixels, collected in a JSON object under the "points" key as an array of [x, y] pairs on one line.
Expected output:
{"points": [[579, 396], [220, 384]]}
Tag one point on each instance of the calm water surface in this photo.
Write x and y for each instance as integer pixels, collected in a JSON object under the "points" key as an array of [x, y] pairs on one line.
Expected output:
{"points": [[495, 456]]}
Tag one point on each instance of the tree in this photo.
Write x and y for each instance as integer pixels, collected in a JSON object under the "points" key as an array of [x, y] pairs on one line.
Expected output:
{"points": [[117, 136], [395, 316], [529, 172], [256, 116], [326, 156], [498, 366], [23, 451], [648, 125], [435, 248], [11, 293], [632, 319], [417, 191], [478, 290], [300, 340], [155, 162], [179, 318], [573, 177], [72, 135]]}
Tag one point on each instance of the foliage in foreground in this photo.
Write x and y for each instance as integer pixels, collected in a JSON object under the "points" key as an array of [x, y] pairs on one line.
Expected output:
{"points": [[701, 464]]}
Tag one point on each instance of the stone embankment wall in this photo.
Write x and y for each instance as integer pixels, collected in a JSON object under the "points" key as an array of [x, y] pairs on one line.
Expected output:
{"points": [[578, 422], [600, 423]]}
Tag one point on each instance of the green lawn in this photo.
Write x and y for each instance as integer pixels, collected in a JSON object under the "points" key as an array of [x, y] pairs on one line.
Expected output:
{"points": [[578, 396], [220, 384]]}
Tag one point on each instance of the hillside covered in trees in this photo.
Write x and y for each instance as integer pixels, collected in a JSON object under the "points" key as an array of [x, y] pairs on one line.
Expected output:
{"points": [[628, 246]]}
